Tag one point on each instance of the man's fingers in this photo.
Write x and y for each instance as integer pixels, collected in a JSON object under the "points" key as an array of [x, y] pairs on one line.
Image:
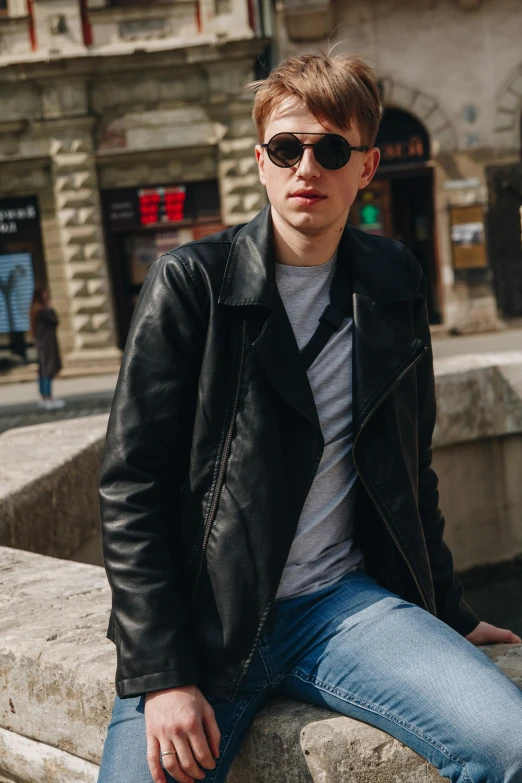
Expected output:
{"points": [[186, 758], [508, 636], [212, 731], [201, 749], [153, 760], [173, 767]]}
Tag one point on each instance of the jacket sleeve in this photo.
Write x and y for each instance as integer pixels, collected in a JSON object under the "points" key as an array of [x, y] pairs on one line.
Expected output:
{"points": [[146, 456], [451, 607]]}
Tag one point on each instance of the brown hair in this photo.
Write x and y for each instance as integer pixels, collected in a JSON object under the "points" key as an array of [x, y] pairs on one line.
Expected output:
{"points": [[340, 89], [36, 305]]}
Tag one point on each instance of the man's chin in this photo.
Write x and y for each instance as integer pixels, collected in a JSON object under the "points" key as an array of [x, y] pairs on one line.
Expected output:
{"points": [[307, 223]]}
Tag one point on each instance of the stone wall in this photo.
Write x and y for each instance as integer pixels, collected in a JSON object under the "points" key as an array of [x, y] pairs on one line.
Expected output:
{"points": [[478, 454], [48, 485], [56, 694]]}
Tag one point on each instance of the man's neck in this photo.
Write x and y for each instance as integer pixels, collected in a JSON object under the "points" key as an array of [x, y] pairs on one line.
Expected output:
{"points": [[295, 248]]}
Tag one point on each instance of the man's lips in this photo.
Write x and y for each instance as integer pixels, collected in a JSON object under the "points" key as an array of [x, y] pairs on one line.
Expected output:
{"points": [[307, 196]]}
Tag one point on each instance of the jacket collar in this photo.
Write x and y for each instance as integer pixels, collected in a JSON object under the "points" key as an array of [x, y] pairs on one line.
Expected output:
{"points": [[249, 277], [382, 348]]}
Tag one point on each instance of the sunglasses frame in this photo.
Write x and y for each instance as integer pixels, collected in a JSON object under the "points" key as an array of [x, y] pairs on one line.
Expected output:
{"points": [[303, 146]]}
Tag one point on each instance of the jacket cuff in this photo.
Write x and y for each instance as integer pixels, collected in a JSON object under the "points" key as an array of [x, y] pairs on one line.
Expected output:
{"points": [[159, 681], [464, 621]]}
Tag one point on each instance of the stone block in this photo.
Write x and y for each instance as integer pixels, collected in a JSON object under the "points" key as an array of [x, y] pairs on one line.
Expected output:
{"points": [[402, 96], [48, 465], [478, 396], [423, 105], [510, 101], [57, 689], [34, 762], [57, 668]]}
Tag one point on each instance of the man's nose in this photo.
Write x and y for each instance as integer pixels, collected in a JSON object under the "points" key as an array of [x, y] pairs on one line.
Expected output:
{"points": [[308, 166]]}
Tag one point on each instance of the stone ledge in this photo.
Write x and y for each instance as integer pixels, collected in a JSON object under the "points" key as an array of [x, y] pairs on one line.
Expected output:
{"points": [[478, 396], [56, 691], [46, 466]]}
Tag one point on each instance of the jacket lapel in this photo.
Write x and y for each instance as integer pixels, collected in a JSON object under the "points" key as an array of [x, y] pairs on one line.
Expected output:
{"points": [[249, 280], [382, 348], [284, 366]]}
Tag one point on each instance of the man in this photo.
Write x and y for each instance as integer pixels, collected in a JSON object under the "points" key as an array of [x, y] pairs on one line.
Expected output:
{"points": [[270, 515]]}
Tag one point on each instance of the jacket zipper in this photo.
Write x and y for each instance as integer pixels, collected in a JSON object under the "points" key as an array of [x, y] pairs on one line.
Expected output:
{"points": [[381, 514], [262, 621], [223, 465]]}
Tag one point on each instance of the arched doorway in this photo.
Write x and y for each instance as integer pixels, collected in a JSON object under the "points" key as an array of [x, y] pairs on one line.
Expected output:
{"points": [[399, 202]]}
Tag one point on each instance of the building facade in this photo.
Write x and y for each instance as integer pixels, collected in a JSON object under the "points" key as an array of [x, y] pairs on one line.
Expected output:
{"points": [[450, 181], [125, 130]]}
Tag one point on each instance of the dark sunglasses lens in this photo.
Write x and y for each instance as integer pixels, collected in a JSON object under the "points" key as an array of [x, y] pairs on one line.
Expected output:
{"points": [[284, 150], [332, 152]]}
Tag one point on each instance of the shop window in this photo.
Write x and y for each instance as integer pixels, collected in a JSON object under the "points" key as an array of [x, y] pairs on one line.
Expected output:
{"points": [[144, 222], [3, 8]]}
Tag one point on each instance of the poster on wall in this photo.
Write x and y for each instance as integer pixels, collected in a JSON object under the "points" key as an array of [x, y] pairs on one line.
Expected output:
{"points": [[16, 292], [468, 237]]}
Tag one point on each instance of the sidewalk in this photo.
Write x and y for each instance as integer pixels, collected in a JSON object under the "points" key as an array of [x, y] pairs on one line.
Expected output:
{"points": [[84, 396], [27, 392]]}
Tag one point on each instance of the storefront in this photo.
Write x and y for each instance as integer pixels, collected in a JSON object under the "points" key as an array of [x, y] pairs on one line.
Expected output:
{"points": [[142, 223], [21, 266], [399, 202]]}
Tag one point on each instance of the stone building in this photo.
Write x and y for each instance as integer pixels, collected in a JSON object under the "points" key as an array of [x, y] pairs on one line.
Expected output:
{"points": [[124, 131], [450, 183]]}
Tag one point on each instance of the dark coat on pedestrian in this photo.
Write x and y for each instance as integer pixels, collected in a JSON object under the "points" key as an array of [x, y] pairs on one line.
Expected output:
{"points": [[46, 343]]}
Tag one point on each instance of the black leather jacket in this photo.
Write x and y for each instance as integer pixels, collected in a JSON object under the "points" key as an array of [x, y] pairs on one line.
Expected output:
{"points": [[214, 440]]}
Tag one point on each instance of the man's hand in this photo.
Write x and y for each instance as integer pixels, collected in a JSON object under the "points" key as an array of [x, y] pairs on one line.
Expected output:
{"points": [[180, 719], [485, 633]]}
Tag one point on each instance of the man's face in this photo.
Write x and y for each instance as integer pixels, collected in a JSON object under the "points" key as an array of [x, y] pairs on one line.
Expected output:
{"points": [[330, 192]]}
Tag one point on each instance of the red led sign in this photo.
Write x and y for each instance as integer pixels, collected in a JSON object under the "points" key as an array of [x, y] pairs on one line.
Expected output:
{"points": [[162, 205]]}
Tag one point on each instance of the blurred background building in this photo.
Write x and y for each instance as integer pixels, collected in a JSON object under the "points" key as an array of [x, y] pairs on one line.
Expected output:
{"points": [[450, 182], [125, 130]]}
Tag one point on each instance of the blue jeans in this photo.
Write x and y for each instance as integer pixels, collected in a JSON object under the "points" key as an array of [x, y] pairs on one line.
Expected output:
{"points": [[364, 652], [44, 383]]}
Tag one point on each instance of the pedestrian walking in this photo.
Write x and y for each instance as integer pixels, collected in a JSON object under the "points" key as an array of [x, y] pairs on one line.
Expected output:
{"points": [[269, 510], [44, 323]]}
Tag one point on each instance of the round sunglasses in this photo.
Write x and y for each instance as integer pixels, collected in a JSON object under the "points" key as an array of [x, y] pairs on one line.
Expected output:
{"points": [[331, 151]]}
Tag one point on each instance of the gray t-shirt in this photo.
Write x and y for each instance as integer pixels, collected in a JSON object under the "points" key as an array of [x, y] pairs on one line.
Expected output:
{"points": [[323, 551]]}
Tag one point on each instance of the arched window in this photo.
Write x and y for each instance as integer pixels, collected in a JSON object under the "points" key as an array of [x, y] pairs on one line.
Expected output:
{"points": [[402, 139]]}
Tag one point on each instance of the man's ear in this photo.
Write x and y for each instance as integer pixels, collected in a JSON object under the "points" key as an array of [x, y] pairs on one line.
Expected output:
{"points": [[371, 163], [260, 158]]}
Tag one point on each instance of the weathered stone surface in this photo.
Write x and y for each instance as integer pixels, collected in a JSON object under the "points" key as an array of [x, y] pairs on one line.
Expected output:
{"points": [[295, 743], [48, 485], [478, 396], [477, 455], [56, 666], [56, 687], [33, 762]]}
